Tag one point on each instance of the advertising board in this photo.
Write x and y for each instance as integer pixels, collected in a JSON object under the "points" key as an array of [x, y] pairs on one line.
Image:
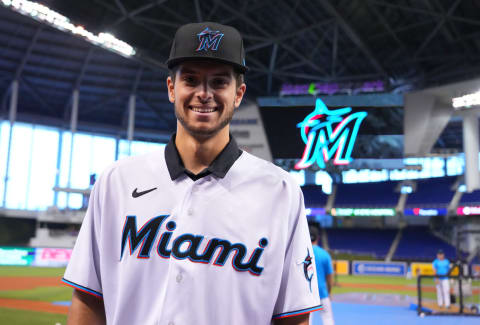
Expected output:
{"points": [[379, 268]]}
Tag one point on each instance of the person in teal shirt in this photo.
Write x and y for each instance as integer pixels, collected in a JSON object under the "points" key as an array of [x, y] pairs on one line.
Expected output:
{"points": [[441, 265], [324, 268]]}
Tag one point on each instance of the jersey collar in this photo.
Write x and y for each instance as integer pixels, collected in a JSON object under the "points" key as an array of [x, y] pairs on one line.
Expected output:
{"points": [[219, 167]]}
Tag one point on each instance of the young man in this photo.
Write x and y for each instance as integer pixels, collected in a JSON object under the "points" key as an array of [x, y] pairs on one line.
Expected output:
{"points": [[324, 266], [201, 232], [441, 265]]}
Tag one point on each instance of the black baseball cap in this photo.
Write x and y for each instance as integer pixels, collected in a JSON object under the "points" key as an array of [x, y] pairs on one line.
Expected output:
{"points": [[440, 251], [209, 41]]}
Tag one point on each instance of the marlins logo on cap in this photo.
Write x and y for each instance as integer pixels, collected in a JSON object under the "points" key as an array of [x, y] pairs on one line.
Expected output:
{"points": [[209, 39]]}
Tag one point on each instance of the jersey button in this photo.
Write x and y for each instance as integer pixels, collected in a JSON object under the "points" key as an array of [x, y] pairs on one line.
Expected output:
{"points": [[171, 323], [190, 212], [179, 277]]}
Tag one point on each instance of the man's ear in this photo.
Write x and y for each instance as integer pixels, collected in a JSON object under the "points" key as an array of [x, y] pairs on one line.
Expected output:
{"points": [[171, 90], [239, 94]]}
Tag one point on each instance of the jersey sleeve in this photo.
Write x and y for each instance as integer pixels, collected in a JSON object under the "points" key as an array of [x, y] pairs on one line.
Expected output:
{"points": [[298, 289], [83, 271]]}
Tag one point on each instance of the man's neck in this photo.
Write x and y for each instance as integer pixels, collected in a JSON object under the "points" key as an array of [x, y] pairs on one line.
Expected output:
{"points": [[198, 154]]}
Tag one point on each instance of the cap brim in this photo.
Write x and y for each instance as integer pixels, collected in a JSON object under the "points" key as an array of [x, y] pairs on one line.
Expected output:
{"points": [[176, 61]]}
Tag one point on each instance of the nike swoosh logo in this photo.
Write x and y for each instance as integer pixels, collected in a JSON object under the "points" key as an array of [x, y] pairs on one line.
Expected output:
{"points": [[136, 194]]}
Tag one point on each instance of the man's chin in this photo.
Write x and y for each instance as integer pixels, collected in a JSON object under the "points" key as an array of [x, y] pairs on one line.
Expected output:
{"points": [[202, 132]]}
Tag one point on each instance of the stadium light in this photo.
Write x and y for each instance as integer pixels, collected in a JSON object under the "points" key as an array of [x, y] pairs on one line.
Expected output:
{"points": [[466, 101], [44, 14]]}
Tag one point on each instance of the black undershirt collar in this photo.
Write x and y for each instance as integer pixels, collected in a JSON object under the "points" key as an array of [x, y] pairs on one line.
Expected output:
{"points": [[219, 166]]}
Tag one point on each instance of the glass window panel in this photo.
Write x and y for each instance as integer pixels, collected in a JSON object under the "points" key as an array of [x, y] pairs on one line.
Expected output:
{"points": [[75, 201], [103, 154], [81, 161], [20, 154], [122, 149], [4, 134], [43, 168], [65, 158], [137, 148]]}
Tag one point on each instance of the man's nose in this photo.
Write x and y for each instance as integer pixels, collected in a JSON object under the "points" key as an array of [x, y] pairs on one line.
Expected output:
{"points": [[204, 92]]}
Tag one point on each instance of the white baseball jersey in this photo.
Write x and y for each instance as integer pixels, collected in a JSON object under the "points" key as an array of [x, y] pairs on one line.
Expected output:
{"points": [[232, 247]]}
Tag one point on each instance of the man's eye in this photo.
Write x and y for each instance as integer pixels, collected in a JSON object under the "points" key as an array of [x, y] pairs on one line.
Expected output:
{"points": [[189, 80], [219, 82]]}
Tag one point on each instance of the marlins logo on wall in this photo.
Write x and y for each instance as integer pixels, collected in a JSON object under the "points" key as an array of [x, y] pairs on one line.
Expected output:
{"points": [[329, 134]]}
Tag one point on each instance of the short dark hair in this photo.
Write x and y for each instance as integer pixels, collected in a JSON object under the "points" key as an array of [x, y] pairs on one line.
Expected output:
{"points": [[314, 231], [239, 76]]}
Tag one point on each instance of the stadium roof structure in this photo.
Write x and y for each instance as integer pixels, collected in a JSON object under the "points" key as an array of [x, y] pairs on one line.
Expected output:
{"points": [[408, 44]]}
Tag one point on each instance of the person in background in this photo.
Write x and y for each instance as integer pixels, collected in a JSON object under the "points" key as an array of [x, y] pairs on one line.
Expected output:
{"points": [[325, 273], [441, 265]]}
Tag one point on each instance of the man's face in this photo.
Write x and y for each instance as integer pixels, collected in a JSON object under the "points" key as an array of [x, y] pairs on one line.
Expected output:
{"points": [[440, 256], [205, 95]]}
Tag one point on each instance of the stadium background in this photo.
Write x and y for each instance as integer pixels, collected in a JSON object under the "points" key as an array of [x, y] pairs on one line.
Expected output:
{"points": [[74, 100]]}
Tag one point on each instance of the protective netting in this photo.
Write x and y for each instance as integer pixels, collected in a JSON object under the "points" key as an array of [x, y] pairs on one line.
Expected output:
{"points": [[448, 295]]}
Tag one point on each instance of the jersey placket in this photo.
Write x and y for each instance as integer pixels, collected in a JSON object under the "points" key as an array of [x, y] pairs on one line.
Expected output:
{"points": [[180, 277]]}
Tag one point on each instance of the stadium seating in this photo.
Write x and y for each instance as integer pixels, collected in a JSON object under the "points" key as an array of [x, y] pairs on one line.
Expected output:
{"points": [[432, 193], [361, 241], [470, 198], [314, 197], [418, 243], [367, 195]]}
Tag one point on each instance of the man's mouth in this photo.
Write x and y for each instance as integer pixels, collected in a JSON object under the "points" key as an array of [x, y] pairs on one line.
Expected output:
{"points": [[200, 109]]}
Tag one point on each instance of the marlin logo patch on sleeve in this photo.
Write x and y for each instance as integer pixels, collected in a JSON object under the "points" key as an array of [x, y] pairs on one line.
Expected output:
{"points": [[308, 269], [209, 40]]}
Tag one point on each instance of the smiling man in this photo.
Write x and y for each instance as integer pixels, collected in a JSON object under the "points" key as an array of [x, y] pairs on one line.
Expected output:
{"points": [[201, 232]]}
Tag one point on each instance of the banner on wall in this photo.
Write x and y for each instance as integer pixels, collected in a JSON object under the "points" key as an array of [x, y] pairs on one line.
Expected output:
{"points": [[26, 256], [16, 256], [52, 257], [379, 268], [468, 211], [341, 267], [426, 269], [425, 212], [476, 269], [350, 212]]}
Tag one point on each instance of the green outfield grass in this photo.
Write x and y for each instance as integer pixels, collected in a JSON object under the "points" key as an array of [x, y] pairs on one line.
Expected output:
{"points": [[394, 280], [31, 271], [377, 281], [47, 294], [24, 317], [51, 294]]}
